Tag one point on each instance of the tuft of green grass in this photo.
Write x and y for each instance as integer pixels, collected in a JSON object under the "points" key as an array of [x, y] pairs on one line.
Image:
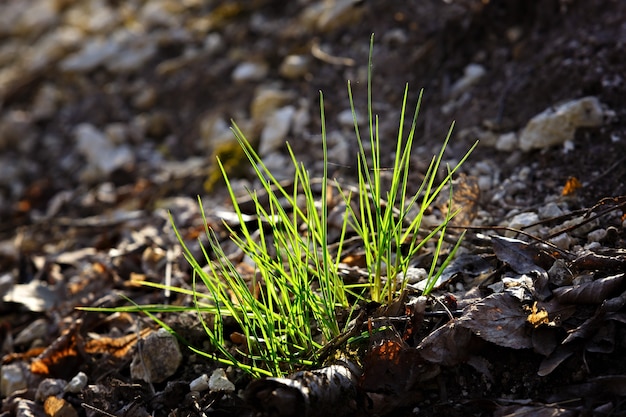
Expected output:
{"points": [[289, 309], [385, 219]]}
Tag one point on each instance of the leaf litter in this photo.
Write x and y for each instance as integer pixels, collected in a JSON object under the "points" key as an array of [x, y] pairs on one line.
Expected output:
{"points": [[555, 328], [411, 343]]}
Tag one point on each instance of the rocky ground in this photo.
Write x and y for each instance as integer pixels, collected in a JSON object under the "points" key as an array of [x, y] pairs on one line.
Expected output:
{"points": [[112, 114]]}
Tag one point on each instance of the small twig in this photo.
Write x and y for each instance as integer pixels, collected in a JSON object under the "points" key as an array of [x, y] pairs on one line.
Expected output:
{"points": [[317, 52], [97, 410]]}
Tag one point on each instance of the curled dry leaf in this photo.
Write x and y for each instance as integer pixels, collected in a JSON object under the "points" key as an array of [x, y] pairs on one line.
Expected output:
{"points": [[597, 388], [540, 410], [590, 326], [593, 292], [613, 259], [327, 391]]}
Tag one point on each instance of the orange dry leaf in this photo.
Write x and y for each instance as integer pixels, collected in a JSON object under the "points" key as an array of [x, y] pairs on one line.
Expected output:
{"points": [[358, 260], [537, 317], [65, 348], [58, 407], [62, 349], [117, 347], [571, 186]]}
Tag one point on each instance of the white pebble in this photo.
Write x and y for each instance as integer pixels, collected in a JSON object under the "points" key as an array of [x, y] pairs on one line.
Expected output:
{"points": [[550, 210], [50, 387], [294, 66], [522, 221], [597, 235], [250, 71], [275, 130], [12, 378], [77, 384], [157, 358], [554, 126], [219, 382], [507, 142], [471, 75], [200, 384], [562, 241]]}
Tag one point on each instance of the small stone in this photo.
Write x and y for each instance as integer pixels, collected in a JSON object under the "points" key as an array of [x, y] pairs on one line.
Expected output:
{"points": [[485, 182], [157, 358], [549, 211], [12, 378], [50, 387], [200, 384], [46, 102], [562, 241], [93, 54], [555, 126], [346, 119], [521, 221], [102, 156], [597, 235], [219, 382], [213, 43], [275, 130], [294, 66], [471, 75], [280, 166], [266, 101], [160, 13], [250, 71], [413, 275], [17, 131], [146, 99], [591, 246], [338, 14], [35, 330], [507, 142], [397, 36], [77, 384], [132, 55], [34, 18], [339, 150]]}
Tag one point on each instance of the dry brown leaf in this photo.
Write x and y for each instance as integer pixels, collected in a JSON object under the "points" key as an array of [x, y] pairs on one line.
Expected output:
{"points": [[556, 358], [593, 292], [500, 319], [448, 345], [117, 347], [520, 256]]}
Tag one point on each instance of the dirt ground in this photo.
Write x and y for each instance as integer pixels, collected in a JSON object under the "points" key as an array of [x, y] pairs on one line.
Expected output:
{"points": [[76, 231]]}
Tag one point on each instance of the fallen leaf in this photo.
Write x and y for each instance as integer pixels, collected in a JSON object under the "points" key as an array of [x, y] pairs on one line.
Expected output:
{"points": [[448, 345], [500, 319], [593, 292], [520, 256], [571, 186], [392, 366], [556, 358]]}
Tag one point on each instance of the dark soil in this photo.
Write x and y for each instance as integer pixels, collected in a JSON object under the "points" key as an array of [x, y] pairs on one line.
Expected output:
{"points": [[537, 54]]}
